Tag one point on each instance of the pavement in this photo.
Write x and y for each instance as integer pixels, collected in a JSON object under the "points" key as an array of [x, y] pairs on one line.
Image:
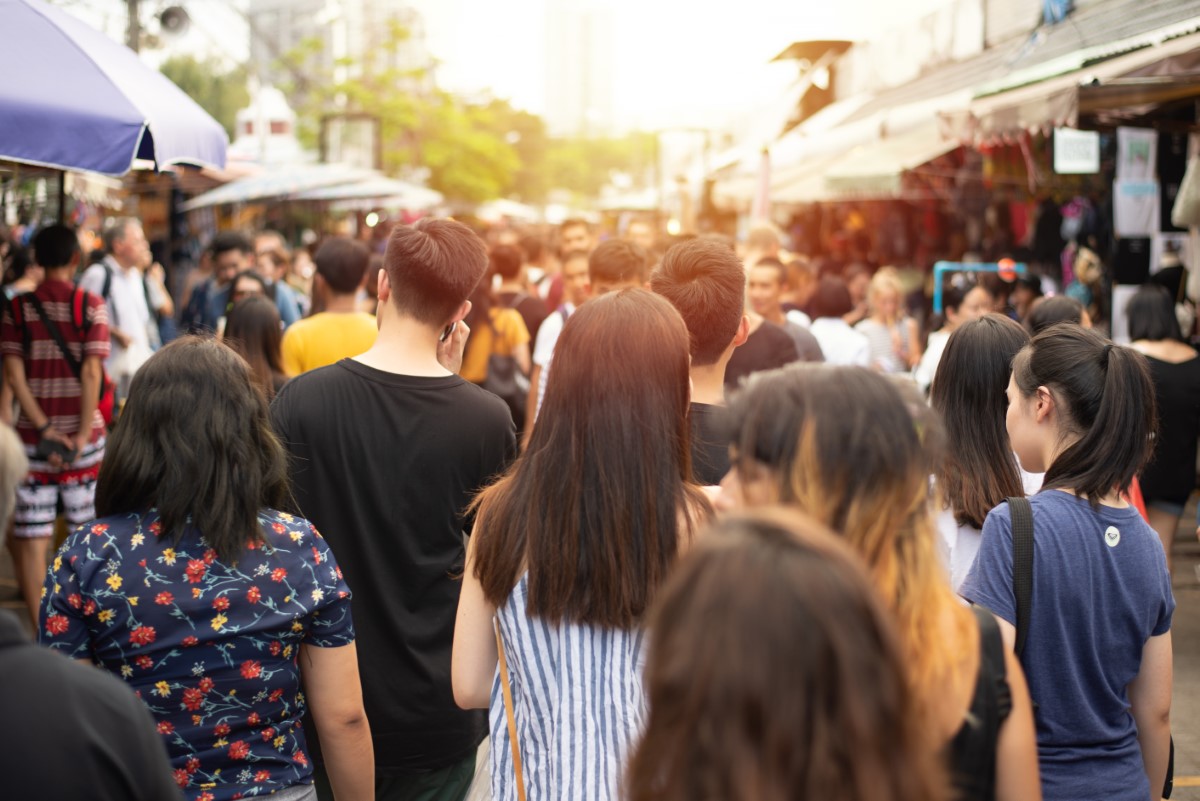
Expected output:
{"points": [[1185, 711]]}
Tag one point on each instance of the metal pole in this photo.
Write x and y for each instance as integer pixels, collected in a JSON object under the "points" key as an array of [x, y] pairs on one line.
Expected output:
{"points": [[62, 197], [133, 27]]}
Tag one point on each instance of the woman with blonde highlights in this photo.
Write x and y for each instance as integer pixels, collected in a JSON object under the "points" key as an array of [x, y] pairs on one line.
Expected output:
{"points": [[775, 673], [842, 445]]}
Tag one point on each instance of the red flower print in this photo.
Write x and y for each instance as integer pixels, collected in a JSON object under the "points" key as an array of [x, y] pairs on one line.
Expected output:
{"points": [[209, 556], [181, 777], [221, 730], [251, 669], [221, 604], [338, 571], [192, 698], [276, 648], [276, 694], [253, 595], [57, 624], [142, 563], [301, 758], [262, 775], [206, 684], [156, 528], [165, 727], [164, 599], [316, 555], [278, 574], [189, 641], [99, 529], [252, 545], [142, 635], [89, 607], [279, 528], [193, 764], [268, 734], [205, 796], [195, 571], [238, 749], [253, 719], [75, 600], [144, 662]]}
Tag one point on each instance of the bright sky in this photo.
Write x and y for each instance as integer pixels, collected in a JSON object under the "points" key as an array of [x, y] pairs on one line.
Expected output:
{"points": [[678, 62]]}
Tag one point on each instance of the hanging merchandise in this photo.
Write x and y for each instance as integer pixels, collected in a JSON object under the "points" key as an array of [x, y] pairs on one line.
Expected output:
{"points": [[1135, 208], [1186, 212], [1137, 152]]}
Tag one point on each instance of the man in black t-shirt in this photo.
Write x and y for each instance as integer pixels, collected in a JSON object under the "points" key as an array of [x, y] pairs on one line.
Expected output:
{"points": [[705, 282], [387, 450]]}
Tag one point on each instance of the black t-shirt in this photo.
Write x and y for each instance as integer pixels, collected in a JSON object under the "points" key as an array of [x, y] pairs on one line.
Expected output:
{"points": [[384, 466], [767, 348], [532, 310], [74, 731], [710, 444]]}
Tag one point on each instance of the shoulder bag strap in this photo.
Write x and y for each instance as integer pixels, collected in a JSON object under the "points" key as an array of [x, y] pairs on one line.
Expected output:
{"points": [[506, 689], [56, 335], [1022, 539]]}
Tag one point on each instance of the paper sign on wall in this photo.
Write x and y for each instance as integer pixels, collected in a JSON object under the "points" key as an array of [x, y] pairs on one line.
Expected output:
{"points": [[1076, 152]]}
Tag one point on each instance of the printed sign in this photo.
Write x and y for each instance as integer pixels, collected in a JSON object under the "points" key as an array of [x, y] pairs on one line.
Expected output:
{"points": [[1076, 152]]}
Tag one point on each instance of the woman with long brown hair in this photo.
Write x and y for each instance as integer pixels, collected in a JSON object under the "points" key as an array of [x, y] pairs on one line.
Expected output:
{"points": [[253, 330], [846, 446], [570, 547], [774, 673]]}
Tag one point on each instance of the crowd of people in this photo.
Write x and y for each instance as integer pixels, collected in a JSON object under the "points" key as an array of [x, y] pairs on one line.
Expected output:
{"points": [[655, 520]]}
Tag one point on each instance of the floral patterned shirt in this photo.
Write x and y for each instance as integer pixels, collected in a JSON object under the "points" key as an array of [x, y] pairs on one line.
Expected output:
{"points": [[210, 648]]}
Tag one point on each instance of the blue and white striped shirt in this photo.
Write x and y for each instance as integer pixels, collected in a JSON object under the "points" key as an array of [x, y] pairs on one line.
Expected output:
{"points": [[579, 705]]}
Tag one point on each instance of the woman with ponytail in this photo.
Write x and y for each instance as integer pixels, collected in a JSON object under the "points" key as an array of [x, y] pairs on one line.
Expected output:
{"points": [[1097, 652]]}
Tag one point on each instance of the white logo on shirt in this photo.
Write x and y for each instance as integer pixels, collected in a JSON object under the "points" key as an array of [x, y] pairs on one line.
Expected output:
{"points": [[1112, 536]]}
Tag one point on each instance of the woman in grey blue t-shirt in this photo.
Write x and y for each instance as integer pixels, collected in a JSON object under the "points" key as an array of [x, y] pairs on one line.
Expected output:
{"points": [[1098, 649]]}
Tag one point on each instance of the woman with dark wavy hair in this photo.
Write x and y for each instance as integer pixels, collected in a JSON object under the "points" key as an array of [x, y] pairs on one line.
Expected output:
{"points": [[849, 447], [254, 330], [774, 673], [570, 547], [204, 598]]}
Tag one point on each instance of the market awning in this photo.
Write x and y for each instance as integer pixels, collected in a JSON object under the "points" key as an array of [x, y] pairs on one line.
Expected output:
{"points": [[877, 169], [278, 183], [1058, 100], [376, 192]]}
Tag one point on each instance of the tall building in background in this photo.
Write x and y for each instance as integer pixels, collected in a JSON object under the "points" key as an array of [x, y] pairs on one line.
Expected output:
{"points": [[355, 28], [580, 54]]}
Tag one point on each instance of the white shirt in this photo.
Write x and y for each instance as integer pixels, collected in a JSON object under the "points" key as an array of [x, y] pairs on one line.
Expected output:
{"points": [[543, 348], [840, 343], [926, 369], [127, 308]]}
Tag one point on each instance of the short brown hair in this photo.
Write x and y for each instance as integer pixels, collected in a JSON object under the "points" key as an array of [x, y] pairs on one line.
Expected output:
{"points": [[706, 284], [433, 266], [616, 261]]}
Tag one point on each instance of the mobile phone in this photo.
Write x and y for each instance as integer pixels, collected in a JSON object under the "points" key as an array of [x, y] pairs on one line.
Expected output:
{"points": [[448, 331]]}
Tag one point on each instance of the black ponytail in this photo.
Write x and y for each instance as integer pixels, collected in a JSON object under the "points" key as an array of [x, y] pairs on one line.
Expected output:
{"points": [[1107, 395]]}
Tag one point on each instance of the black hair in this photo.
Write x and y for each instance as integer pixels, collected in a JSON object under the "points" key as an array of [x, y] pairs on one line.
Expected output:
{"points": [[341, 263], [1151, 313], [226, 241], [54, 246], [832, 298], [1052, 311], [1106, 397], [195, 442]]}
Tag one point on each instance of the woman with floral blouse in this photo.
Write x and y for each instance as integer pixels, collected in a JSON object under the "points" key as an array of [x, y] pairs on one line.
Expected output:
{"points": [[211, 604]]}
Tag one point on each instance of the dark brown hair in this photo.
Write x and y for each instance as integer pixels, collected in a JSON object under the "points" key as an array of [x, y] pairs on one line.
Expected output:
{"points": [[1106, 396], [616, 261], [432, 266], [706, 284], [253, 330], [195, 442], [979, 470], [593, 509], [774, 673], [341, 263]]}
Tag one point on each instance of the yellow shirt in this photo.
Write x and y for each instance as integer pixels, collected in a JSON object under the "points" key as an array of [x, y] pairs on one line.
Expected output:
{"points": [[326, 338], [510, 333]]}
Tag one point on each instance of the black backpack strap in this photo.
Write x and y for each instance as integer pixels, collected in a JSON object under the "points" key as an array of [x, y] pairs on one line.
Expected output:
{"points": [[56, 335], [1022, 545]]}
